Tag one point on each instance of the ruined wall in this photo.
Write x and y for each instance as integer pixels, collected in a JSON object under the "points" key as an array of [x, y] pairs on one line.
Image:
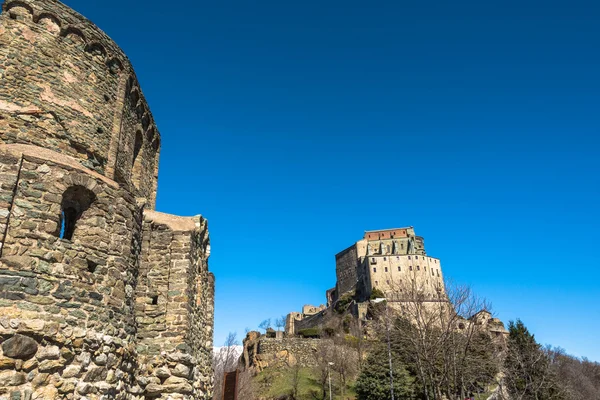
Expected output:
{"points": [[100, 297], [346, 263], [174, 305], [288, 351]]}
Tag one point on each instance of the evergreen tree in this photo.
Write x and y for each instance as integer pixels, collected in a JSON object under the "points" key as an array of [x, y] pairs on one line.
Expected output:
{"points": [[528, 375], [374, 380]]}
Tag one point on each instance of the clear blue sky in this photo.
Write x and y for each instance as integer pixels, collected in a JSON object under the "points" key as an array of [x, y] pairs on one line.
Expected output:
{"points": [[295, 126]]}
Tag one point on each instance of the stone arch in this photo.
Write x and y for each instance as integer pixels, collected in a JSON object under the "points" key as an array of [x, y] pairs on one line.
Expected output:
{"points": [[150, 134], [96, 49], [135, 96], [49, 21], [145, 121], [19, 9], [75, 201], [74, 35], [114, 65]]}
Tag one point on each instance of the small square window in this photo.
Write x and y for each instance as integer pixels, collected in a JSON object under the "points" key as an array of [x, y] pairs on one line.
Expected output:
{"points": [[409, 257]]}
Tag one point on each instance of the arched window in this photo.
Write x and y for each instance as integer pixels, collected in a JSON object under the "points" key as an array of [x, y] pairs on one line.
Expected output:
{"points": [[76, 200]]}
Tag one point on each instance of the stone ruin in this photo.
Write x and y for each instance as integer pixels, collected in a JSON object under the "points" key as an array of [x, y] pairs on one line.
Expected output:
{"points": [[101, 297]]}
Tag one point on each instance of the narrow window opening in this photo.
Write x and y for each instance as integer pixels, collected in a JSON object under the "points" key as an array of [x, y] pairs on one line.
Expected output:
{"points": [[386, 270], [76, 200], [154, 300], [91, 266], [374, 269], [410, 267], [399, 269]]}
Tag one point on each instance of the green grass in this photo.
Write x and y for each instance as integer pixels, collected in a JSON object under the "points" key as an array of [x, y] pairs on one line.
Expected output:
{"points": [[272, 383]]}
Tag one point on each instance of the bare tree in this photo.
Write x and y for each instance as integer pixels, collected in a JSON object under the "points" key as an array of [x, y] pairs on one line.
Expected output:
{"points": [[266, 324], [245, 386], [345, 362], [225, 359], [322, 368], [437, 335], [280, 322]]}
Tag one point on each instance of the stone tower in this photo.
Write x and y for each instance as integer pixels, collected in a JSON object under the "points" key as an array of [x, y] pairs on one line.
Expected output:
{"points": [[101, 297]]}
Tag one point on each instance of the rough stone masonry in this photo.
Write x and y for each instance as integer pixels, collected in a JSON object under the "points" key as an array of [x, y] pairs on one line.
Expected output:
{"points": [[101, 297]]}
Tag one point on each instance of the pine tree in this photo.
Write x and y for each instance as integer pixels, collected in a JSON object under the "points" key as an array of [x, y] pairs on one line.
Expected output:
{"points": [[528, 374], [374, 380]]}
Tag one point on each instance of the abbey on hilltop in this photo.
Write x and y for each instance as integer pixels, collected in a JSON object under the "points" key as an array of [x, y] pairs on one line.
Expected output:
{"points": [[388, 263], [101, 296]]}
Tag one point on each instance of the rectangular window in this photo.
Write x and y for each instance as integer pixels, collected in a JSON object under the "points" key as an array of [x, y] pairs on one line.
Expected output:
{"points": [[386, 269], [375, 283], [399, 269], [409, 257], [374, 269], [438, 273], [418, 268], [410, 267]]}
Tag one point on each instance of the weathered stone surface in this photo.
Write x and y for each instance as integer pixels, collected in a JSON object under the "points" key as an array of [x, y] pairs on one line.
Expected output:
{"points": [[19, 346], [11, 378], [181, 370], [48, 353], [7, 363], [101, 296]]}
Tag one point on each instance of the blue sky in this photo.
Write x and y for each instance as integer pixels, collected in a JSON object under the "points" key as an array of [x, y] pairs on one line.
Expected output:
{"points": [[295, 126]]}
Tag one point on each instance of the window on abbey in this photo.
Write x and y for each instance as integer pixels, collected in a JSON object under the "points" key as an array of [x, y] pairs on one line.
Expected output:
{"points": [[76, 200]]}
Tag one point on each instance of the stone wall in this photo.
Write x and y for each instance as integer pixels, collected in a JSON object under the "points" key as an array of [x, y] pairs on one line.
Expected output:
{"points": [[290, 350], [66, 86], [100, 297], [260, 352]]}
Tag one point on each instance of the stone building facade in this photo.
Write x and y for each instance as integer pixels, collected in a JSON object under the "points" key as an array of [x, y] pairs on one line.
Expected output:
{"points": [[390, 260], [101, 296], [394, 261]]}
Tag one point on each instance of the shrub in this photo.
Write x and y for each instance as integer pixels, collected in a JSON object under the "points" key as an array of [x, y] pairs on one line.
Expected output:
{"points": [[313, 333]]}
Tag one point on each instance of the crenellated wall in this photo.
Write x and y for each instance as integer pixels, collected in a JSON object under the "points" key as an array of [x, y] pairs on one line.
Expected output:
{"points": [[100, 296]]}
